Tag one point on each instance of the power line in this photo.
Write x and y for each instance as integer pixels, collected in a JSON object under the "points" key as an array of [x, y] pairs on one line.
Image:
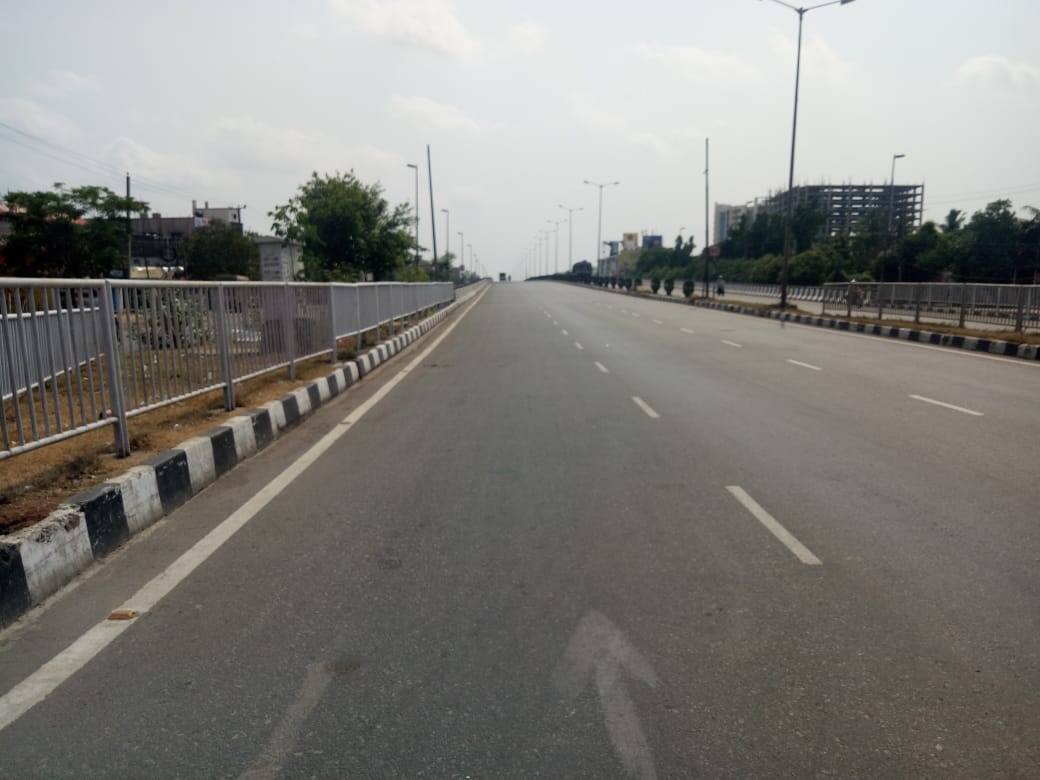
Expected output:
{"points": [[53, 151]]}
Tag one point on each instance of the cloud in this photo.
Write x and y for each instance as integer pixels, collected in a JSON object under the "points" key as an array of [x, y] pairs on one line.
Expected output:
{"points": [[247, 142], [590, 114], [696, 63], [523, 39], [38, 120], [59, 82], [424, 111], [820, 61], [167, 170], [994, 68], [433, 25]]}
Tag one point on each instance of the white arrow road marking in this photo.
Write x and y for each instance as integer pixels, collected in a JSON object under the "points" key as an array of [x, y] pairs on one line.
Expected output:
{"points": [[800, 550], [599, 651], [946, 405]]}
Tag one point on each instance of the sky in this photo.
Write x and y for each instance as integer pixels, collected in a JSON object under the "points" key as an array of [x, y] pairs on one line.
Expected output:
{"points": [[521, 102]]}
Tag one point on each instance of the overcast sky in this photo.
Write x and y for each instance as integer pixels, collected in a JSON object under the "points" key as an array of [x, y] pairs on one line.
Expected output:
{"points": [[236, 102]]}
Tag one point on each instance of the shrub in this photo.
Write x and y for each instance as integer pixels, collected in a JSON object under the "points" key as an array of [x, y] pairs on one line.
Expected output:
{"points": [[687, 288], [669, 285], [655, 284]]}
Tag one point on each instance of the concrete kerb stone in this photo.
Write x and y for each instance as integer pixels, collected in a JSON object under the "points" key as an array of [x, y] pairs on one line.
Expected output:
{"points": [[37, 561]]}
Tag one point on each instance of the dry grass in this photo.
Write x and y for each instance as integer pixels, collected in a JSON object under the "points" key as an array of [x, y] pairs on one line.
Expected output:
{"points": [[35, 483]]}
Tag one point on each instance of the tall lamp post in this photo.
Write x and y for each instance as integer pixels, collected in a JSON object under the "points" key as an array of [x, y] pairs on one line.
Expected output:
{"points": [[599, 231], [462, 251], [891, 214], [794, 134], [415, 168], [556, 252], [570, 234], [447, 236]]}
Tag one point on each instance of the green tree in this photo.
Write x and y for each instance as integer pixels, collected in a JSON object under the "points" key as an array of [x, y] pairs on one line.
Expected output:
{"points": [[347, 228], [72, 232], [220, 250], [954, 221], [993, 244]]}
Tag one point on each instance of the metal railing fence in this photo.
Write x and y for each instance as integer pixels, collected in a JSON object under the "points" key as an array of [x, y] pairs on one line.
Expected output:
{"points": [[76, 355], [1010, 306]]}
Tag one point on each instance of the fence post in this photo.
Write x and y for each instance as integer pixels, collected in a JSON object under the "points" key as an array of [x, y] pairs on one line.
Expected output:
{"points": [[332, 322], [1020, 309], [359, 343], [880, 302], [917, 304], [224, 348], [115, 379], [848, 302], [964, 303], [290, 330], [379, 330]]}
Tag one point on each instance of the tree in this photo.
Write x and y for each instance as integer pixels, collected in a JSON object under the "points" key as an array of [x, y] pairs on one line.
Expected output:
{"points": [[220, 250], [77, 232], [954, 221], [347, 228]]}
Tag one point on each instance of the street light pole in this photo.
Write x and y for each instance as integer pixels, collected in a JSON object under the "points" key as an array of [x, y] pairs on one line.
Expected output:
{"points": [[415, 167], [570, 234], [794, 134], [599, 231], [891, 213], [462, 250], [447, 236], [556, 257]]}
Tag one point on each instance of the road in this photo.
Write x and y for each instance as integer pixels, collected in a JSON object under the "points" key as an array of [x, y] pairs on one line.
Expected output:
{"points": [[587, 536]]}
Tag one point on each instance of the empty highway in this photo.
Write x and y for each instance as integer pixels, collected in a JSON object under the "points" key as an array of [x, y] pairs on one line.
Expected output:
{"points": [[583, 535]]}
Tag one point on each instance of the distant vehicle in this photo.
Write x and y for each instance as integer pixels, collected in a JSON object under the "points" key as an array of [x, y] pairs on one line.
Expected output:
{"points": [[501, 277]]}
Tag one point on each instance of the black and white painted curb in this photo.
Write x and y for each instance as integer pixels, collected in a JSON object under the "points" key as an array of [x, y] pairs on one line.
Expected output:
{"points": [[971, 343], [36, 561]]}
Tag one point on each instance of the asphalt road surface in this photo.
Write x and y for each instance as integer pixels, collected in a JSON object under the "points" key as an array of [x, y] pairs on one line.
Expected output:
{"points": [[585, 536]]}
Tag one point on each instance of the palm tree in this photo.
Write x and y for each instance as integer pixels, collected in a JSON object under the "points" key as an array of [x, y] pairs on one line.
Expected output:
{"points": [[953, 222]]}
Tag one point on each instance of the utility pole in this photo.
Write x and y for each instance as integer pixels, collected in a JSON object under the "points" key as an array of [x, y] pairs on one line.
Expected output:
{"points": [[447, 236], [129, 233], [462, 250], [707, 243], [556, 227], [433, 212]]}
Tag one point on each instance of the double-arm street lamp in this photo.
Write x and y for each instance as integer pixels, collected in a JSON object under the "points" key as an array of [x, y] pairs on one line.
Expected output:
{"points": [[801, 11], [570, 234], [891, 213], [599, 231], [556, 252]]}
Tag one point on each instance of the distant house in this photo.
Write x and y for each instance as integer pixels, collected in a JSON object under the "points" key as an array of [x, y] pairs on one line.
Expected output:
{"points": [[280, 259], [159, 241]]}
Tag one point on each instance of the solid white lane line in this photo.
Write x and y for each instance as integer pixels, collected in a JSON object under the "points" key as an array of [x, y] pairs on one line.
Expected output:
{"points": [[579, 346], [565, 333], [946, 405], [645, 407], [602, 367], [41, 683], [686, 330], [658, 322], [804, 365], [733, 343], [800, 550]]}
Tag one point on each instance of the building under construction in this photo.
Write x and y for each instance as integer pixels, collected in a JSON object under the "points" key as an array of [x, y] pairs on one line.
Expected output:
{"points": [[845, 207]]}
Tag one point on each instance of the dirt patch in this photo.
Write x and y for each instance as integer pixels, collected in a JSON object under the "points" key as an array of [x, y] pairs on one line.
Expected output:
{"points": [[33, 484]]}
